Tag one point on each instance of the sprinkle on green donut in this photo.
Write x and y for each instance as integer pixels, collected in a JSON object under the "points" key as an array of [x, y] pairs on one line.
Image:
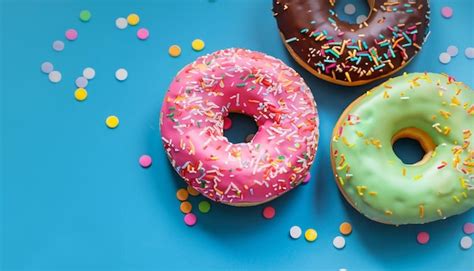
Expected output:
{"points": [[432, 108]]}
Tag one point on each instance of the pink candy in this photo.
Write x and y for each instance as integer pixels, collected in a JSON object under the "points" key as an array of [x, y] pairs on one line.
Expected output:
{"points": [[268, 212], [468, 228], [447, 12], [190, 219], [307, 178], [227, 123], [71, 34], [143, 33], [423, 237], [145, 161]]}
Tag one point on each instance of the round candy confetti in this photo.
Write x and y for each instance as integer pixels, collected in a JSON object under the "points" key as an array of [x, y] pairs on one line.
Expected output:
{"points": [[58, 45], [466, 242], [204, 207], [227, 123], [145, 161], [307, 178], [423, 237], [249, 138], [71, 34], [133, 19], [80, 94], [444, 58], [468, 228], [268, 212], [55, 76], [47, 67], [112, 122], [295, 232], [143, 34], [182, 194], [85, 15], [447, 12], [339, 242], [121, 74], [121, 23], [345, 228], [349, 9], [81, 82], [88, 73], [186, 207], [361, 18], [190, 219], [197, 45], [192, 191], [174, 50], [452, 50], [310, 235], [469, 52]]}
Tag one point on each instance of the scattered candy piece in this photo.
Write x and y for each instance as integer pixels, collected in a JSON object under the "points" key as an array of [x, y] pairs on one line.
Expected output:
{"points": [[186, 207], [468, 228], [307, 178], [295, 232], [85, 15], [198, 44], [88, 73], [145, 161], [58, 45], [55, 76], [80, 94], [143, 34], [121, 23], [121, 74], [361, 18], [469, 52], [444, 58], [182, 194], [249, 138], [174, 51], [268, 212], [466, 242], [345, 228], [192, 191], [112, 121], [310, 235], [71, 34], [47, 67], [227, 123], [423, 237], [133, 19], [204, 207], [339, 242], [452, 50], [190, 219], [81, 82], [447, 12], [349, 9]]}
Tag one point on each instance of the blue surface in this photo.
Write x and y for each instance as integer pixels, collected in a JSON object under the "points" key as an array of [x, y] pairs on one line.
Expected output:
{"points": [[73, 196]]}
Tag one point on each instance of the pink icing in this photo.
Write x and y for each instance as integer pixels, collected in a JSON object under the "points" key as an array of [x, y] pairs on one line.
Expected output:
{"points": [[237, 80]]}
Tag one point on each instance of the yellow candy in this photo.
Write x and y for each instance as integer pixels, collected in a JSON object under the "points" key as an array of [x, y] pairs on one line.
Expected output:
{"points": [[310, 235], [133, 19], [80, 94], [197, 45], [112, 121], [174, 50]]}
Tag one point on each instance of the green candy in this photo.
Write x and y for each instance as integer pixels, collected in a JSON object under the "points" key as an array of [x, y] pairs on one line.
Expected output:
{"points": [[440, 114], [85, 15]]}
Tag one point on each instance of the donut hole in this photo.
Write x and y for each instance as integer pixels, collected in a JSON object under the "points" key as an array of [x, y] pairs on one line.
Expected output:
{"points": [[412, 146], [345, 10], [242, 126]]}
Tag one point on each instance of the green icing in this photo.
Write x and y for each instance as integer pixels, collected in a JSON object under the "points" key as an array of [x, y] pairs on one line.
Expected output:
{"points": [[376, 181]]}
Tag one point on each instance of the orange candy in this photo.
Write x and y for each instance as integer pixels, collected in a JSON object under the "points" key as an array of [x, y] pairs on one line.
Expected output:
{"points": [[186, 207], [345, 228], [192, 191], [182, 194]]}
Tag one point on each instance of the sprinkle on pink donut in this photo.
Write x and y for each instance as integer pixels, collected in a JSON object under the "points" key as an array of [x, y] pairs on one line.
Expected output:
{"points": [[242, 81]]}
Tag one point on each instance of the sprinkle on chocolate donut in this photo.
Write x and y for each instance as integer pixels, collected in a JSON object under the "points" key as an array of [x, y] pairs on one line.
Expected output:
{"points": [[352, 54], [276, 159]]}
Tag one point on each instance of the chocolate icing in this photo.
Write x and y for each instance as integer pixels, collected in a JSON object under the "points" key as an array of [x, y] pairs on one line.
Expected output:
{"points": [[355, 54]]}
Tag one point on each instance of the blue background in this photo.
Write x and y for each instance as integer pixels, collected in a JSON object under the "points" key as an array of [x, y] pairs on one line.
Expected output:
{"points": [[74, 197]]}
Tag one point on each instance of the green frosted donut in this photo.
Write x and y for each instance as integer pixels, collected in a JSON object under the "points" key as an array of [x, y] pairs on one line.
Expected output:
{"points": [[432, 108]]}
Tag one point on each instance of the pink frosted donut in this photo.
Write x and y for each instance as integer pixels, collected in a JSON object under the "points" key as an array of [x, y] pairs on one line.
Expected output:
{"points": [[236, 80]]}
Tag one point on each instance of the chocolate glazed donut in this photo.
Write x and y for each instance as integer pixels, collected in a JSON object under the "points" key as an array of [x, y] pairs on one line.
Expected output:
{"points": [[352, 54]]}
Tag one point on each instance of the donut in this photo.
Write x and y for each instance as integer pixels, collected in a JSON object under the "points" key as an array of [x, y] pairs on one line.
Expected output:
{"points": [[433, 109], [352, 54], [280, 154]]}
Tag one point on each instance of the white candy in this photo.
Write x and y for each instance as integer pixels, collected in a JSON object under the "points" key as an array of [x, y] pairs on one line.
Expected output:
{"points": [[88, 73], [361, 18], [466, 242], [349, 9], [444, 58], [339, 242], [295, 232], [121, 74], [452, 50], [55, 76], [121, 23], [469, 52]]}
